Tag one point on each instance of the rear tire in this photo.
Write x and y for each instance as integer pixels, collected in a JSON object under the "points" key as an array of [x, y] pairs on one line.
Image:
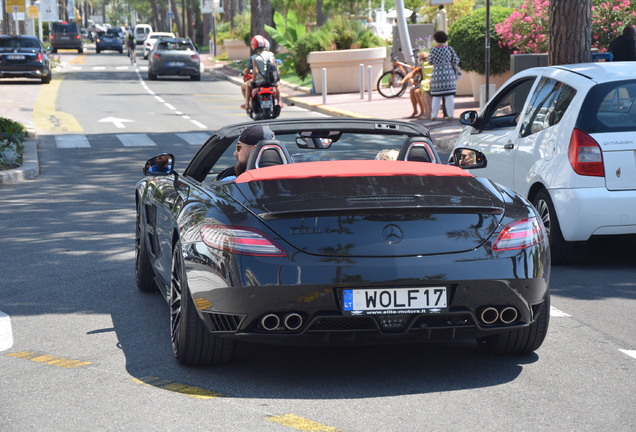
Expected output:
{"points": [[192, 343], [559, 248], [389, 84], [523, 340], [196, 77], [151, 76], [47, 78]]}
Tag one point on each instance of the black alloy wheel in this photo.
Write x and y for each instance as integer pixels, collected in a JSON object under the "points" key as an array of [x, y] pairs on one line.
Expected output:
{"points": [[559, 248], [192, 343]]}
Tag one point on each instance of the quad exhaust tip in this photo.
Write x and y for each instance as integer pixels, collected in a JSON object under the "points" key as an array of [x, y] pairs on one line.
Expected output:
{"points": [[292, 321], [503, 315]]}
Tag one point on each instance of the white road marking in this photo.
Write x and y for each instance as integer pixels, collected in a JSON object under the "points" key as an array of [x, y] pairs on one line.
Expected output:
{"points": [[170, 107], [554, 312], [193, 138], [6, 335], [199, 124], [631, 353], [136, 140], [119, 122], [71, 141], [159, 99]]}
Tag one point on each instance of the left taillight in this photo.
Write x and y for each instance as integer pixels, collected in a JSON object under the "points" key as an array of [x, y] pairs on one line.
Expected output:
{"points": [[240, 240], [585, 155], [520, 234], [194, 56], [39, 57], [156, 56]]}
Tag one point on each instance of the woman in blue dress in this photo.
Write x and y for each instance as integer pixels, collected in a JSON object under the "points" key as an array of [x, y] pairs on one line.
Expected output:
{"points": [[444, 78]]}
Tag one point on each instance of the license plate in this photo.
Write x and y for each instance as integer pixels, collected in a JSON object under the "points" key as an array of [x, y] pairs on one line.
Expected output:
{"points": [[378, 301], [65, 38], [175, 64], [267, 103], [15, 57]]}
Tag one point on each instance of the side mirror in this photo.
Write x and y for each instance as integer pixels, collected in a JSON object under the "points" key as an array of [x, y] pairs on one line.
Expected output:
{"points": [[161, 165], [467, 158], [469, 118]]}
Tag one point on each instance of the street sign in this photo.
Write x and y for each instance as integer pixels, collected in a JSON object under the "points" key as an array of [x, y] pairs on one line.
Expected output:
{"points": [[15, 6], [48, 11], [33, 11]]}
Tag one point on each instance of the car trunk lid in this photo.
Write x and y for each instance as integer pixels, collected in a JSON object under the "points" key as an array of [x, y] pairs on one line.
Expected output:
{"points": [[619, 159], [376, 215]]}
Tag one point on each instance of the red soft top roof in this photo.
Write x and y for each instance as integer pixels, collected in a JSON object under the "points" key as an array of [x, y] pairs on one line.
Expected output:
{"points": [[350, 168]]}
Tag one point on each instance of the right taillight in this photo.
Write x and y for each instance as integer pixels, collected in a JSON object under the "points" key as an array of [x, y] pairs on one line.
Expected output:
{"points": [[585, 155]]}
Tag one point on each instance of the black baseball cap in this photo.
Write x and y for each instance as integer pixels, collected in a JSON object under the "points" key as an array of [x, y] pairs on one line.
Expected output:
{"points": [[253, 134]]}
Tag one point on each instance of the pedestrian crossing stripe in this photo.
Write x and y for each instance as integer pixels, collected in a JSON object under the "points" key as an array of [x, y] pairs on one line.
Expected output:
{"points": [[127, 140], [136, 140]]}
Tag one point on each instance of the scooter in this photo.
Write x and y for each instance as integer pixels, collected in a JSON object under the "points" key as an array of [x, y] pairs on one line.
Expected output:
{"points": [[262, 102], [263, 107]]}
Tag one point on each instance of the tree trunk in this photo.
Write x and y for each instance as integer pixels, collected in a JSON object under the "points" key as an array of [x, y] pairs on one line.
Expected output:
{"points": [[321, 16], [261, 15], [570, 34]]}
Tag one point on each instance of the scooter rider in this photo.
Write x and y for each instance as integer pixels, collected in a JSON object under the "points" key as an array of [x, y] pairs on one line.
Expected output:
{"points": [[258, 64]]}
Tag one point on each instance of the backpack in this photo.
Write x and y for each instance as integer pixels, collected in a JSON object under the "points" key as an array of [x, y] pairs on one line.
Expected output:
{"points": [[267, 68]]}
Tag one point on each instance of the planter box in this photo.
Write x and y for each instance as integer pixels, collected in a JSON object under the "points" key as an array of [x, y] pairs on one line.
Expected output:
{"points": [[236, 49], [343, 68], [477, 80]]}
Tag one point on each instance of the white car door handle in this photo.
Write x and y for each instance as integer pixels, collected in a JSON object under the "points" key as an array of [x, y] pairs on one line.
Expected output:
{"points": [[509, 146]]}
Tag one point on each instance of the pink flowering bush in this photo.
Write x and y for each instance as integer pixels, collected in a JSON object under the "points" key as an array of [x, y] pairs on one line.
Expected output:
{"points": [[527, 29]]}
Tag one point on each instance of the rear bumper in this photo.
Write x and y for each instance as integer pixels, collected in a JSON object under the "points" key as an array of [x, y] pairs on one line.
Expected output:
{"points": [[177, 70], [586, 212], [313, 291], [25, 72]]}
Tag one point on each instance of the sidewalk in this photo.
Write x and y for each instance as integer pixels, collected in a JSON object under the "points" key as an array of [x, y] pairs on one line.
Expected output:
{"points": [[443, 132]]}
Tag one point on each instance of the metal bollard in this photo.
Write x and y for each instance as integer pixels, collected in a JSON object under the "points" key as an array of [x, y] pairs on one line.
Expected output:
{"points": [[324, 86], [361, 81], [370, 70]]}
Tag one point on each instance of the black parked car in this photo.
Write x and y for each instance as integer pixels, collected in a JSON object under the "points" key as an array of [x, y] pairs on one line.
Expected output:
{"points": [[24, 57], [109, 41], [317, 242]]}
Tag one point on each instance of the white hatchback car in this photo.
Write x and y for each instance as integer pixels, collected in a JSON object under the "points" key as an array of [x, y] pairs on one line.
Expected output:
{"points": [[565, 138], [152, 38]]}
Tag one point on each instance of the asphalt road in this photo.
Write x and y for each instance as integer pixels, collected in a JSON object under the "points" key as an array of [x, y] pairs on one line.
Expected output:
{"points": [[81, 349]]}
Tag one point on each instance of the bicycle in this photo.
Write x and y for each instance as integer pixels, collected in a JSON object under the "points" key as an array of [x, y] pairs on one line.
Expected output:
{"points": [[132, 54], [391, 83]]}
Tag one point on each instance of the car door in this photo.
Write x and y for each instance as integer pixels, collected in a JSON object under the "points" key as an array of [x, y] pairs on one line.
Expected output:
{"points": [[541, 131], [498, 129]]}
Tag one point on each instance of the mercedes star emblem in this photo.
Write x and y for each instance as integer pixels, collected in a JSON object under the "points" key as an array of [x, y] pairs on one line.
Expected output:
{"points": [[392, 234]]}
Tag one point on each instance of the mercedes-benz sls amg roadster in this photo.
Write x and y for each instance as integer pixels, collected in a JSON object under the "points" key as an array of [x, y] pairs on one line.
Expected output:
{"points": [[322, 241]]}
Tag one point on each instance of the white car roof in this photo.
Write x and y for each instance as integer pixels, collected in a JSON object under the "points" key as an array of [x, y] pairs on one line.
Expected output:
{"points": [[596, 71]]}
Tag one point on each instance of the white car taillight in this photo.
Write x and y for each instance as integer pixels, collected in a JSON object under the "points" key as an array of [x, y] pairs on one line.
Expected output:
{"points": [[585, 155], [520, 234], [240, 240]]}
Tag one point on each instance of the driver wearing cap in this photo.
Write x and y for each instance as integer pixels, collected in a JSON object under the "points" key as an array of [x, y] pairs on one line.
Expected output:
{"points": [[244, 147]]}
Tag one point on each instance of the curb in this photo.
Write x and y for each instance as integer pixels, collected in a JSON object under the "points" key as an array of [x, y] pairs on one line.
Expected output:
{"points": [[30, 167]]}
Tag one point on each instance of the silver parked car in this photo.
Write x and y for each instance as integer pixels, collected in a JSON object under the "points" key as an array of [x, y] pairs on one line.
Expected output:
{"points": [[174, 56]]}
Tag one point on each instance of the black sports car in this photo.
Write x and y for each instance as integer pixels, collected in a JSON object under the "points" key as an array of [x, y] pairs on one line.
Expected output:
{"points": [[318, 242]]}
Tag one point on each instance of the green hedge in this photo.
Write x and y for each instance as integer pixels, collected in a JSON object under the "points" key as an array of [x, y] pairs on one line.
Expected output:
{"points": [[467, 37]]}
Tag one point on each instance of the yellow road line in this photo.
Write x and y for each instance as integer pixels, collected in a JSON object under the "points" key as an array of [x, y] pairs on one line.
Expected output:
{"points": [[193, 392], [301, 424], [46, 118], [48, 359]]}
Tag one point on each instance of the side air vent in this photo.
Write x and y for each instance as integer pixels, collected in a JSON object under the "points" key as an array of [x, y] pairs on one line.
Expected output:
{"points": [[223, 322]]}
